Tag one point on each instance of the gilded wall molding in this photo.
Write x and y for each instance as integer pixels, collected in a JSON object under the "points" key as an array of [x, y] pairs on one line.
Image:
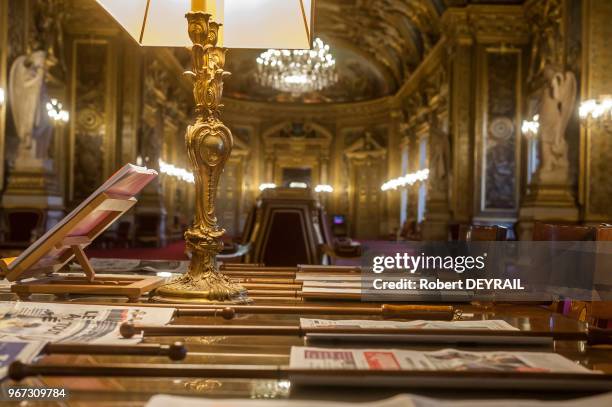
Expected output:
{"points": [[486, 24], [4, 54], [595, 174]]}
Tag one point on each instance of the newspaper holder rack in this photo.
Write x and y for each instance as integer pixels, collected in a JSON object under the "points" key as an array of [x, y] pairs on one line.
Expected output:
{"points": [[67, 243]]}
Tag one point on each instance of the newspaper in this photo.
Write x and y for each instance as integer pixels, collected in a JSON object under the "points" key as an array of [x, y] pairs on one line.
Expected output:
{"points": [[74, 322], [445, 359], [493, 324], [23, 351], [402, 400]]}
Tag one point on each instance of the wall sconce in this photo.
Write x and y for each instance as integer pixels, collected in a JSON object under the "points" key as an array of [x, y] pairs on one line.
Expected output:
{"points": [[596, 112], [56, 112], [177, 172], [266, 185], [2, 97], [324, 188], [530, 128], [406, 180], [301, 185]]}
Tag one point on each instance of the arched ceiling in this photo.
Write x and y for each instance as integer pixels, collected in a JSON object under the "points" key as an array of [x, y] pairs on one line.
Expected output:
{"points": [[377, 44]]}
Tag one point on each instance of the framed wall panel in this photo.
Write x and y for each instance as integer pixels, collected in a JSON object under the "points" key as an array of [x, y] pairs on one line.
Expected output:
{"points": [[498, 118], [93, 113]]}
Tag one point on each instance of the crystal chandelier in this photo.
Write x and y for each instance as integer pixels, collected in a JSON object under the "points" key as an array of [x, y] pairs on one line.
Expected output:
{"points": [[297, 71]]}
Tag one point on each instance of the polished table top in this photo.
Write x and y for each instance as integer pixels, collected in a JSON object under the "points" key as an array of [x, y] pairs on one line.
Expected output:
{"points": [[274, 350]]}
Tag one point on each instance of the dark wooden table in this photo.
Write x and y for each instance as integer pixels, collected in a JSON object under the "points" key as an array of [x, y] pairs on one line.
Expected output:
{"points": [[270, 350]]}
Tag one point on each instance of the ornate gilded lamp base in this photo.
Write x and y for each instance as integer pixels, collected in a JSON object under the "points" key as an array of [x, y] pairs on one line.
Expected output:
{"points": [[204, 282], [209, 145], [209, 287]]}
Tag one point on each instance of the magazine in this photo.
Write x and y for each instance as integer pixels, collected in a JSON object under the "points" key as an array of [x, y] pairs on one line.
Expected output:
{"points": [[74, 322], [24, 351], [442, 360], [402, 400]]}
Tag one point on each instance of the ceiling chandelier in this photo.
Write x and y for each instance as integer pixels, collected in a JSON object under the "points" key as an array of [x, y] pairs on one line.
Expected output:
{"points": [[297, 71]]}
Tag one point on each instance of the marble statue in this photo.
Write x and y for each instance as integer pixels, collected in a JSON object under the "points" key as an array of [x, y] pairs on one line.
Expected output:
{"points": [[27, 96], [557, 102]]}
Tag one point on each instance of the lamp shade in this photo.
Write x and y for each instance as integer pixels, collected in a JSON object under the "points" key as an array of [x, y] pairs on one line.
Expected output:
{"points": [[285, 24]]}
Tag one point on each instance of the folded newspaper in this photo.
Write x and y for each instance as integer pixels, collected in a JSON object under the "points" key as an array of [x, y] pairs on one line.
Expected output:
{"points": [[402, 400], [24, 351], [492, 324], [441, 360], [365, 332], [74, 322]]}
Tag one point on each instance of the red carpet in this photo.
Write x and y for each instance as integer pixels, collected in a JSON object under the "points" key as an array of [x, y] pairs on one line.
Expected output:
{"points": [[176, 251], [173, 251]]}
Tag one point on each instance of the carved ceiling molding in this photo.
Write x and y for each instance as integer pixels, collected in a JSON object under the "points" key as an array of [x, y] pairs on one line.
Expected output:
{"points": [[164, 89], [86, 17], [396, 33], [486, 24], [367, 110]]}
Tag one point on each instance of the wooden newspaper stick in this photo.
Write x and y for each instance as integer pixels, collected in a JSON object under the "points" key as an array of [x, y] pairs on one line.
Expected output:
{"points": [[429, 312], [176, 351], [293, 287], [593, 336], [259, 274], [330, 377]]}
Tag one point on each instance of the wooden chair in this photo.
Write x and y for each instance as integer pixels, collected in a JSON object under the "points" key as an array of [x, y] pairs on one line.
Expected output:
{"points": [[600, 312], [148, 229], [562, 233], [335, 247], [477, 233], [597, 313], [286, 230], [24, 225]]}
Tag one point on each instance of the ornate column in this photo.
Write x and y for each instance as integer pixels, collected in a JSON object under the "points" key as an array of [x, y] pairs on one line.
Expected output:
{"points": [[595, 177], [486, 60], [394, 167], [434, 112], [151, 142], [460, 44], [209, 144]]}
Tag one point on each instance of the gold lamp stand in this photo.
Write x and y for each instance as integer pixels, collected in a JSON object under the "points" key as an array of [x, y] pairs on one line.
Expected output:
{"points": [[209, 145]]}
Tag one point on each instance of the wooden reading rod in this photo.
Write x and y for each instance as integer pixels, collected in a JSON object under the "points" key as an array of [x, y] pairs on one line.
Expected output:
{"points": [[331, 377], [594, 336], [176, 351], [429, 312]]}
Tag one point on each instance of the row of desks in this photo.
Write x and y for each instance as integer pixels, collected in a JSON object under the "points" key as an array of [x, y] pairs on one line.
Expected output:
{"points": [[274, 350]]}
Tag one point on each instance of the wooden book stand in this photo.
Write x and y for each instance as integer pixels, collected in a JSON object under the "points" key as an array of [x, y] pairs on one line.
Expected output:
{"points": [[50, 253]]}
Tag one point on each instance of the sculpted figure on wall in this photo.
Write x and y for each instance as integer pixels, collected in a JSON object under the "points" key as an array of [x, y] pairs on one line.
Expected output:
{"points": [[27, 96], [547, 46], [557, 102], [439, 160]]}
